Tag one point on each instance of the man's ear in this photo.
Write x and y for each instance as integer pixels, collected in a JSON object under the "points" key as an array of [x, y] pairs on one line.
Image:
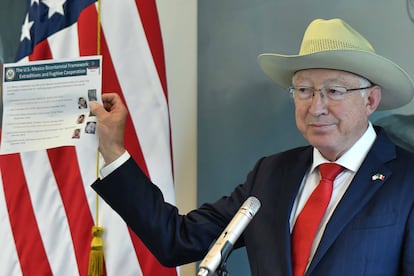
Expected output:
{"points": [[373, 99]]}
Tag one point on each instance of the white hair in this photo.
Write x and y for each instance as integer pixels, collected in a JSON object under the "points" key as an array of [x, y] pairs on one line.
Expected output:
{"points": [[363, 82]]}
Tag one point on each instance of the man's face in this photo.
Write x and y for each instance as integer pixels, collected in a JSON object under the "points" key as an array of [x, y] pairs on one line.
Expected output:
{"points": [[333, 126]]}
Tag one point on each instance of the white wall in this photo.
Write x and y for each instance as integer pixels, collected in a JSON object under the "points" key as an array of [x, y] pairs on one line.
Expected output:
{"points": [[179, 29]]}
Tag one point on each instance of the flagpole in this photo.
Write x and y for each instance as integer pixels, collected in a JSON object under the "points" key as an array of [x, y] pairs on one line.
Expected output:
{"points": [[96, 257], [98, 52]]}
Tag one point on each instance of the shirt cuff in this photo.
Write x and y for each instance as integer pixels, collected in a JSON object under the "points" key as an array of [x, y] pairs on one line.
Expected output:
{"points": [[105, 171]]}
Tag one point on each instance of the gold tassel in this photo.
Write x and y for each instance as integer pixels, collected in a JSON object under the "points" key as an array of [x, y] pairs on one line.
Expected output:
{"points": [[96, 257]]}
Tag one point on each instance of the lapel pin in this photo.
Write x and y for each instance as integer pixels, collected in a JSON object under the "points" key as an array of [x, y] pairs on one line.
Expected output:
{"points": [[378, 176]]}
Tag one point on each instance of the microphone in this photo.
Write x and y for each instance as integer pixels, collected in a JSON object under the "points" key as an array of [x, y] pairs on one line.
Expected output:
{"points": [[221, 249]]}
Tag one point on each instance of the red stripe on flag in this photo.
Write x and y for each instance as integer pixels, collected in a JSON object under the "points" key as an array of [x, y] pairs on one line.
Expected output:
{"points": [[23, 223], [41, 51], [67, 174], [87, 31], [150, 266], [148, 13], [110, 83], [149, 17]]}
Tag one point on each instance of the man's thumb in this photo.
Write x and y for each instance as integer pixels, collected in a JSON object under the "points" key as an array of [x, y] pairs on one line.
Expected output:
{"points": [[96, 108]]}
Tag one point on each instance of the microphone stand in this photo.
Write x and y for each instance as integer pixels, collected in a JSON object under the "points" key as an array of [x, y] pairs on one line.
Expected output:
{"points": [[222, 270]]}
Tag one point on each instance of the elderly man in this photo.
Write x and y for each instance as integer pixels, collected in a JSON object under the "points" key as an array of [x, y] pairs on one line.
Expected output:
{"points": [[357, 220]]}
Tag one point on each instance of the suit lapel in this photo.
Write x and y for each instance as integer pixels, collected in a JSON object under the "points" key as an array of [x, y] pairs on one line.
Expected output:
{"points": [[285, 179], [372, 174]]}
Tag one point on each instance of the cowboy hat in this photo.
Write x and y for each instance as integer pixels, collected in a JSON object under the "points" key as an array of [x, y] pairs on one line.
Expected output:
{"points": [[333, 44]]}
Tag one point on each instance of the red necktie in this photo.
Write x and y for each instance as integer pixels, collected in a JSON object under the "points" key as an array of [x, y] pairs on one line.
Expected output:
{"points": [[308, 221]]}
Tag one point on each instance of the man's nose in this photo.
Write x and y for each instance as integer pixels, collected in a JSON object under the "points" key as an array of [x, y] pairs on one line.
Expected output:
{"points": [[319, 103]]}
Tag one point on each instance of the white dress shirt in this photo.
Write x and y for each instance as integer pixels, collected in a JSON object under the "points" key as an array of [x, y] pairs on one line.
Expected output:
{"points": [[107, 169], [351, 160]]}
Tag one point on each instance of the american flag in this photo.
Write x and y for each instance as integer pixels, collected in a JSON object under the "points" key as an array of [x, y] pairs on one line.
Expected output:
{"points": [[47, 208]]}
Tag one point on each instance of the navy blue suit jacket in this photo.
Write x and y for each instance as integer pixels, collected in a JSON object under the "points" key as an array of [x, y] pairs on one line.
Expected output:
{"points": [[370, 233]]}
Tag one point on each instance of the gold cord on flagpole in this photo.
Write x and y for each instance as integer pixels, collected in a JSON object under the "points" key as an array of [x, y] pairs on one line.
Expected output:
{"points": [[96, 257]]}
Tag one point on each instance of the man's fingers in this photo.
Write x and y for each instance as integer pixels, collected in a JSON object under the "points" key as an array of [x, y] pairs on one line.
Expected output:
{"points": [[108, 100], [96, 108]]}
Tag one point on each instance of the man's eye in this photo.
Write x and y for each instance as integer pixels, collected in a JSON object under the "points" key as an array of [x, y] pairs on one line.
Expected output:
{"points": [[304, 90], [333, 91]]}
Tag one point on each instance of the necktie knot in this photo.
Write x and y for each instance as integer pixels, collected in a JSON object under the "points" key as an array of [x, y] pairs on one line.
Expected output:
{"points": [[330, 171]]}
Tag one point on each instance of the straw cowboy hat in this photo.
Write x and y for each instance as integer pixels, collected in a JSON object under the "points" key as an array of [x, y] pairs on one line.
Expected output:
{"points": [[333, 44]]}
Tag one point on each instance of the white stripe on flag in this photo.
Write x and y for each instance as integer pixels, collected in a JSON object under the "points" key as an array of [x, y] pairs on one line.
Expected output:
{"points": [[49, 212], [65, 43], [87, 162], [142, 89], [120, 257]]}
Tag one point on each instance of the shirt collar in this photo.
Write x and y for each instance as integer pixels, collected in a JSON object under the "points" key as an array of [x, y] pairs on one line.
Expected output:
{"points": [[352, 158]]}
